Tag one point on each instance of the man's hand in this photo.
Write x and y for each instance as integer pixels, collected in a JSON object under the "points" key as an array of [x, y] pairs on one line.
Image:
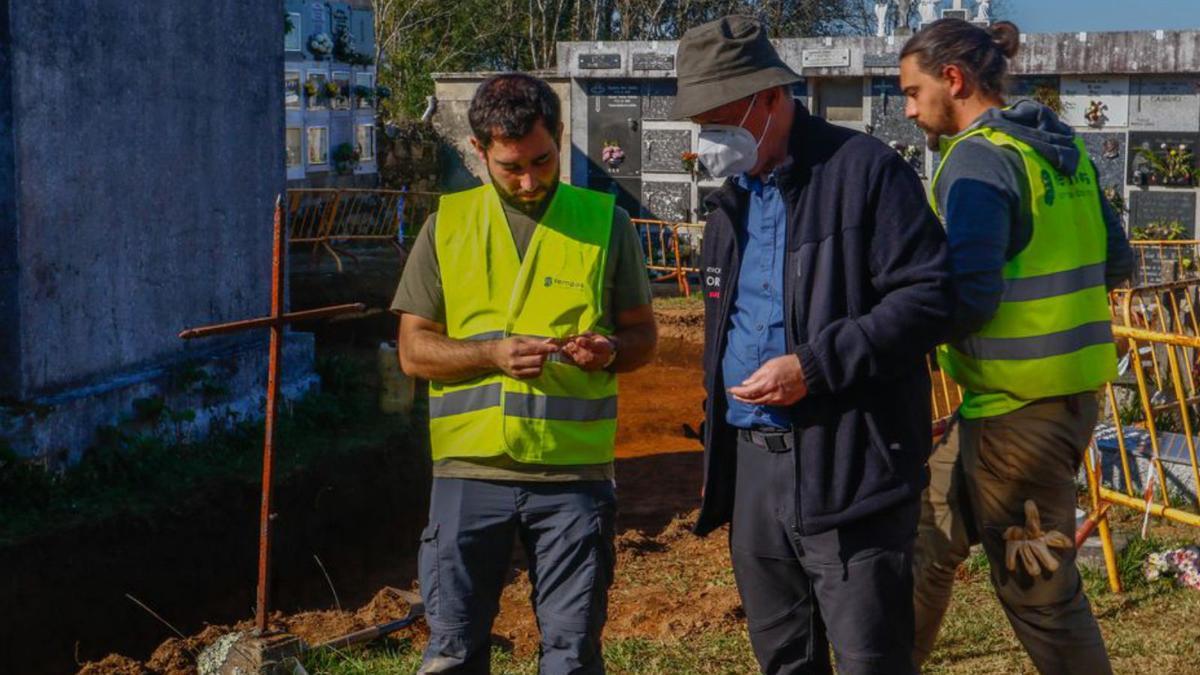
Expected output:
{"points": [[521, 357], [779, 381], [589, 351]]}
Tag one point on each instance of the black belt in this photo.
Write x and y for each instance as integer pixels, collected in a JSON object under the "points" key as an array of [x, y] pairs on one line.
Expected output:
{"points": [[775, 441]]}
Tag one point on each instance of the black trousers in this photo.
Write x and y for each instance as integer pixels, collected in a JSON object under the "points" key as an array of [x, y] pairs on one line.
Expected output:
{"points": [[850, 587]]}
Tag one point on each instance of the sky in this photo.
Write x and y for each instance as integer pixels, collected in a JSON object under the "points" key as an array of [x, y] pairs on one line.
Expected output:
{"points": [[1046, 16]]}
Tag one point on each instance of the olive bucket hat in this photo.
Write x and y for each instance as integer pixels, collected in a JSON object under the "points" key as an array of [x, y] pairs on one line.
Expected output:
{"points": [[725, 60]]}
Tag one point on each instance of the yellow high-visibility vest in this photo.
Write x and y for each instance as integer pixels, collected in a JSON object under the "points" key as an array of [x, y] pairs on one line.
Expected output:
{"points": [[565, 416], [1052, 333]]}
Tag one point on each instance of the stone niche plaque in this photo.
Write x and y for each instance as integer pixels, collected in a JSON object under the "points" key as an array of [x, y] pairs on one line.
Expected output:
{"points": [[825, 58], [1032, 87], [671, 201], [1080, 94], [599, 61], [1107, 150], [653, 61], [1150, 207], [1154, 142], [657, 99], [888, 122], [1165, 104], [884, 60], [662, 149]]}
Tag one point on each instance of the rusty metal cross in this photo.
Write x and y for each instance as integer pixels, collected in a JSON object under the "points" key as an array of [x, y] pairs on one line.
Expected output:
{"points": [[276, 321]]}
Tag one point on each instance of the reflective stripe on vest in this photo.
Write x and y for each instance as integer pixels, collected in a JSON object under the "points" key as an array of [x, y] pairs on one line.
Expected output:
{"points": [[564, 416], [1051, 334]]}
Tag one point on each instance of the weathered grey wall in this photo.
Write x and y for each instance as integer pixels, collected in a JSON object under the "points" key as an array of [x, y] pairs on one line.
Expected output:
{"points": [[10, 343], [148, 137]]}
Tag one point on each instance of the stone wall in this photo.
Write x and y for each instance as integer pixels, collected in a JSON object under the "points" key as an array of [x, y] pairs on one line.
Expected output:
{"points": [[146, 135]]}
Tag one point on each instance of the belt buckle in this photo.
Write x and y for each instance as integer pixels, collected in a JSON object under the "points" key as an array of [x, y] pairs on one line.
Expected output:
{"points": [[773, 441]]}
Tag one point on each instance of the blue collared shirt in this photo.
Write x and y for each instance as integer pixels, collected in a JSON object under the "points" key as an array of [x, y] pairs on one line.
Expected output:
{"points": [[755, 334]]}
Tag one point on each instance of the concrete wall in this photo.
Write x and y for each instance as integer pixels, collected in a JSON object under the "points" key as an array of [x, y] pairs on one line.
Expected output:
{"points": [[10, 334], [461, 168], [1149, 83], [148, 149], [1127, 52]]}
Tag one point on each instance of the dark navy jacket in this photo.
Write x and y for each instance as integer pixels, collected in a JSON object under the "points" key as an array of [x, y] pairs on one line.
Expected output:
{"points": [[866, 296]]}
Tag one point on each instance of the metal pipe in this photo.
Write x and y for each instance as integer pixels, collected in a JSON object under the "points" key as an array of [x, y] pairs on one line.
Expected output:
{"points": [[267, 321], [264, 526], [1159, 510]]}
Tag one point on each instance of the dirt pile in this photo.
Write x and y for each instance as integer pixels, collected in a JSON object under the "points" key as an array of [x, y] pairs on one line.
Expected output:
{"points": [[178, 656], [681, 323], [668, 586]]}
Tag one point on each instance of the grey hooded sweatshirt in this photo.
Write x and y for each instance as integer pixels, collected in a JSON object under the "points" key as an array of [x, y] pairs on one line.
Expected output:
{"points": [[983, 194]]}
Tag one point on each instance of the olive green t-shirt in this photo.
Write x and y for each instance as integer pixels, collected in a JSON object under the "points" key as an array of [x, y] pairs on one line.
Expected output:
{"points": [[626, 286]]}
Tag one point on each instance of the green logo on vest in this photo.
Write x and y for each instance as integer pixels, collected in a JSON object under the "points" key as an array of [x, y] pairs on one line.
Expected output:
{"points": [[564, 283], [1048, 183]]}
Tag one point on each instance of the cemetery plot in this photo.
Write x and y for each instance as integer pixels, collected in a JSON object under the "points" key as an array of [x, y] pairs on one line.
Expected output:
{"points": [[1157, 209], [671, 201], [1096, 102], [1162, 159], [1107, 151], [1165, 104], [657, 99], [662, 150]]}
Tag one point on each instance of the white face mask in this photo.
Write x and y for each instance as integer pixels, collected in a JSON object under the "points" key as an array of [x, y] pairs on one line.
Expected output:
{"points": [[726, 149]]}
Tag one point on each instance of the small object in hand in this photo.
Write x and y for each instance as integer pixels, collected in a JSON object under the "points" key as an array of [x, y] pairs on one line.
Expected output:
{"points": [[1031, 545]]}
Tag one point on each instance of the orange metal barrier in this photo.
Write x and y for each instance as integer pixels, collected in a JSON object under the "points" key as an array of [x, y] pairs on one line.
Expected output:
{"points": [[324, 217], [671, 249], [1164, 261], [946, 395]]}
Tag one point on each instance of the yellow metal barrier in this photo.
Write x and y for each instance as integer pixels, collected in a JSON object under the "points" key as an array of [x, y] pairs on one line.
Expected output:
{"points": [[324, 217], [671, 249], [1153, 412]]}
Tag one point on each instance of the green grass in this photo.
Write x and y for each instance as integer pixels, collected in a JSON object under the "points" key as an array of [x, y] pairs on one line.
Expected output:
{"points": [[1151, 627], [139, 469], [713, 653]]}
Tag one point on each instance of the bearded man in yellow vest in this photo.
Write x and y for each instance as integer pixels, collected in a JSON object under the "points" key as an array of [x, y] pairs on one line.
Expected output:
{"points": [[1033, 249], [520, 301]]}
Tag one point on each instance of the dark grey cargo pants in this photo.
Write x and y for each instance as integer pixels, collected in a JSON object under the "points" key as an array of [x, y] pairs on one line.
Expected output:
{"points": [[567, 531]]}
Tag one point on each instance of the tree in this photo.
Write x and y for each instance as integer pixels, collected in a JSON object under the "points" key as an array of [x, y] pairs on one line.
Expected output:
{"points": [[419, 37]]}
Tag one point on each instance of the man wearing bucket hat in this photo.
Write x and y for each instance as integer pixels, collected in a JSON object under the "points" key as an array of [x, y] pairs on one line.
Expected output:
{"points": [[826, 285]]}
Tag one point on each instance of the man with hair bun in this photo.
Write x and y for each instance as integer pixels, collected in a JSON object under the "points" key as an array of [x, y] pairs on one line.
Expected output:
{"points": [[1033, 250]]}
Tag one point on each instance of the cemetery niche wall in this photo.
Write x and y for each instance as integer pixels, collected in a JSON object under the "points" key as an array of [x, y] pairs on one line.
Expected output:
{"points": [[1134, 97]]}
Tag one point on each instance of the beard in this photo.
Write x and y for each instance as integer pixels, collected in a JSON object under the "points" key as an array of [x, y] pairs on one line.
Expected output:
{"points": [[941, 124], [524, 202]]}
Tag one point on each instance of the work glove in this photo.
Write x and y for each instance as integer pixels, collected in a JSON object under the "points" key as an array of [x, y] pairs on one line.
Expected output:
{"points": [[1031, 545]]}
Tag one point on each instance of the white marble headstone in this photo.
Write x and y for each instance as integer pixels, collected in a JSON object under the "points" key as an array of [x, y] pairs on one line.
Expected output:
{"points": [[1078, 94], [1165, 104]]}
